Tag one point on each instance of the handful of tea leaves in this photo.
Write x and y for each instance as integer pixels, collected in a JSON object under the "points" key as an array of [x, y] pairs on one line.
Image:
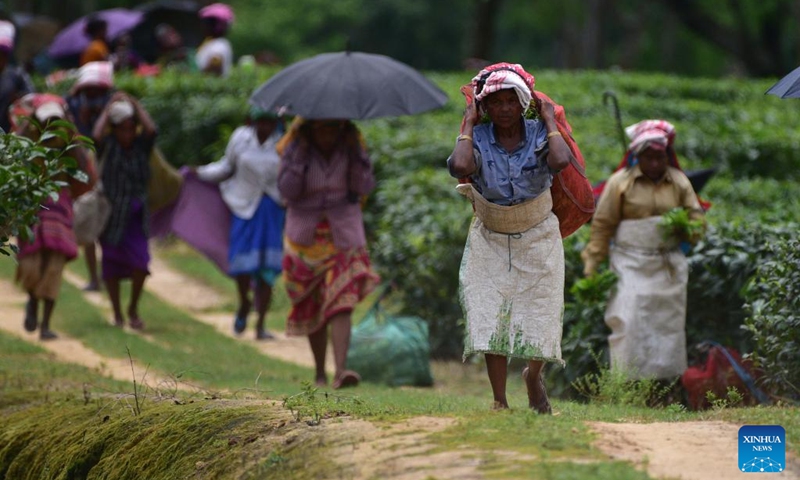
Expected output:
{"points": [[676, 224]]}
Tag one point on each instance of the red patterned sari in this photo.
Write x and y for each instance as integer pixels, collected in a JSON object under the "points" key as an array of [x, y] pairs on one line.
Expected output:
{"points": [[322, 281]]}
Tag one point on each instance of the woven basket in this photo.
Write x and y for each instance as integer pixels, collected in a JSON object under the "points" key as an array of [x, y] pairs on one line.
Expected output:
{"points": [[508, 219]]}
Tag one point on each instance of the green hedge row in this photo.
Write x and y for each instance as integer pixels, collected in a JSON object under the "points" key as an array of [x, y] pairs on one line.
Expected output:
{"points": [[418, 224], [728, 123]]}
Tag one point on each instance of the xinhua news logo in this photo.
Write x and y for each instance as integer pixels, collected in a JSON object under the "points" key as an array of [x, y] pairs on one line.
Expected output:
{"points": [[762, 449]]}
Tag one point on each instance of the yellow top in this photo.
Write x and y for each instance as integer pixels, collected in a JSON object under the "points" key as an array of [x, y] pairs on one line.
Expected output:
{"points": [[97, 51], [629, 195]]}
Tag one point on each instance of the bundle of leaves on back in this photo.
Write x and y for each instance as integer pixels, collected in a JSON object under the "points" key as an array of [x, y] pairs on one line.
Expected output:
{"points": [[31, 172]]}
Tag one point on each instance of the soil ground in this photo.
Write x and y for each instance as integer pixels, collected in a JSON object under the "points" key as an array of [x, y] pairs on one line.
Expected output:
{"points": [[705, 450]]}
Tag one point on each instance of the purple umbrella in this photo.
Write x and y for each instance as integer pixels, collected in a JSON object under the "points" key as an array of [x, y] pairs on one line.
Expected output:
{"points": [[72, 40]]}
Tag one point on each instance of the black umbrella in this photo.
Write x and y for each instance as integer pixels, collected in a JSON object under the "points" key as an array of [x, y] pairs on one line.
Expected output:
{"points": [[351, 85], [180, 14], [699, 178], [788, 86]]}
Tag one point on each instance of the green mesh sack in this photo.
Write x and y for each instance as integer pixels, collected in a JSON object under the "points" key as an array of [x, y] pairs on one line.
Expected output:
{"points": [[391, 350]]}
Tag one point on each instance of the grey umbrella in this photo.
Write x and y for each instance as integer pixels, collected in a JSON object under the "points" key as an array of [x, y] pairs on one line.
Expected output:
{"points": [[351, 85], [788, 86]]}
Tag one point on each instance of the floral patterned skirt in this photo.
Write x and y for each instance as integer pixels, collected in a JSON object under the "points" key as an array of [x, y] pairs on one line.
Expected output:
{"points": [[323, 281]]}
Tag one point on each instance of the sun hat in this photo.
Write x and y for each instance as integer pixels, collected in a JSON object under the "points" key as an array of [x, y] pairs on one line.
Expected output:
{"points": [[120, 111], [508, 219], [219, 11]]}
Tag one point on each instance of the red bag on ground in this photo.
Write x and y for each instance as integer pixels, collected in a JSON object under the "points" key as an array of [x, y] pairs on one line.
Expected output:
{"points": [[573, 198], [716, 376]]}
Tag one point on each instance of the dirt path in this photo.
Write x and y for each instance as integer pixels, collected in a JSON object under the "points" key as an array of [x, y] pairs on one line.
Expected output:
{"points": [[686, 450], [188, 294], [70, 350]]}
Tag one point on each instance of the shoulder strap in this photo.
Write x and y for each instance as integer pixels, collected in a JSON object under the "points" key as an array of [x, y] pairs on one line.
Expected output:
{"points": [[744, 376]]}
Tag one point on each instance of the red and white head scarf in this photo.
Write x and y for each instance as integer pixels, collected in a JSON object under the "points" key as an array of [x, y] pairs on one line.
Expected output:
{"points": [[219, 11], [95, 74], [658, 134], [502, 76]]}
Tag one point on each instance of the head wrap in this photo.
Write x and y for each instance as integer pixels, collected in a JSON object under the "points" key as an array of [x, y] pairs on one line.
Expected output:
{"points": [[120, 111], [657, 134], [95, 74], [40, 106], [220, 11], [49, 110], [502, 76], [7, 32]]}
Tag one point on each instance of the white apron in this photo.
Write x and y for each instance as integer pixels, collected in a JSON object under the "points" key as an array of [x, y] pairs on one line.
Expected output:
{"points": [[512, 288], [647, 309]]}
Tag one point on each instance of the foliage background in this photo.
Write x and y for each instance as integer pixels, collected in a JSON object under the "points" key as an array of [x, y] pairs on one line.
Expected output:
{"points": [[578, 49], [709, 38], [417, 223]]}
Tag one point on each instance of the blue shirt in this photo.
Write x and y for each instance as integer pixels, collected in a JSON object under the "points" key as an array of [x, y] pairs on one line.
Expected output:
{"points": [[508, 178]]}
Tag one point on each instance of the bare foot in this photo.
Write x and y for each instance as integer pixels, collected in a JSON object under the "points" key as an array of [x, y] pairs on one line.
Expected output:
{"points": [[499, 405], [92, 286], [347, 378], [537, 393], [321, 381], [135, 322]]}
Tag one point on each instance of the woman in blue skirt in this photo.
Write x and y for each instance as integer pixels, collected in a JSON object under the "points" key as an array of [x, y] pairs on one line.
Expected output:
{"points": [[248, 175]]}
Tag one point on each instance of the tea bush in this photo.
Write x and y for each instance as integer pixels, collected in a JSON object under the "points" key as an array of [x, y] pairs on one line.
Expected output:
{"points": [[721, 266], [726, 123], [417, 224], [774, 318], [30, 173]]}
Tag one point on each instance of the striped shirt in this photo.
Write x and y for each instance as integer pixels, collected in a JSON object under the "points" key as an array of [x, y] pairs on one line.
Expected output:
{"points": [[316, 189]]}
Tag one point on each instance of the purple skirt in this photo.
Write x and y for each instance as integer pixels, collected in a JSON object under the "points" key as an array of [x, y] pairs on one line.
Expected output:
{"points": [[119, 261]]}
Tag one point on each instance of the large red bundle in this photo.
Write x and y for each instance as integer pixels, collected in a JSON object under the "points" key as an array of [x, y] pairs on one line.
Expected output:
{"points": [[573, 198], [716, 376]]}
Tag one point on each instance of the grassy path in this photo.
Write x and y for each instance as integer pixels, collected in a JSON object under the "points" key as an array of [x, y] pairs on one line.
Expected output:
{"points": [[372, 432]]}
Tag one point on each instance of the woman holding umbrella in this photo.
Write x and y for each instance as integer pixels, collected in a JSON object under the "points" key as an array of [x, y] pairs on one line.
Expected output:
{"points": [[512, 307], [324, 173]]}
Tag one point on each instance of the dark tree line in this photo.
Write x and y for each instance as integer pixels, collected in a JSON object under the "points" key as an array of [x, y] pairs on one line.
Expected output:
{"points": [[709, 37]]}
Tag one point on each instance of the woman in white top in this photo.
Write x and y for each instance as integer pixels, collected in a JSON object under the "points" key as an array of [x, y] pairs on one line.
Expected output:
{"points": [[215, 55], [248, 176]]}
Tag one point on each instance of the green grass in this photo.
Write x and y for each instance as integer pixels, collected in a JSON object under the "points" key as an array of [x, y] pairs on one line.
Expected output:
{"points": [[36, 386], [28, 372]]}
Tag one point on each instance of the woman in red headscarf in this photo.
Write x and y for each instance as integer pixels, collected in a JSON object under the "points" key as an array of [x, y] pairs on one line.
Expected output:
{"points": [[647, 311], [512, 273]]}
